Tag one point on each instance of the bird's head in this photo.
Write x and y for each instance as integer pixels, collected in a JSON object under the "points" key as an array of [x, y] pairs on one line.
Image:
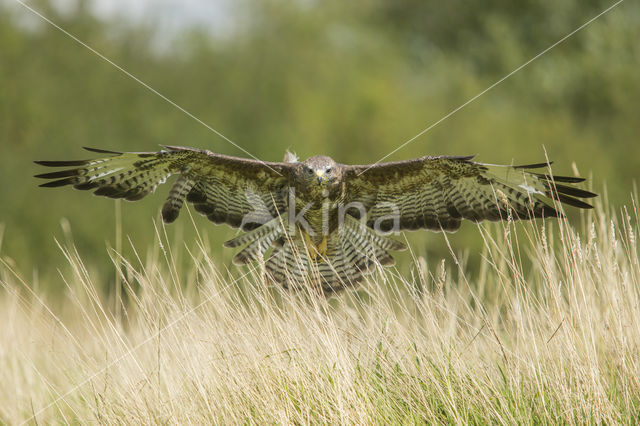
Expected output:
{"points": [[320, 172]]}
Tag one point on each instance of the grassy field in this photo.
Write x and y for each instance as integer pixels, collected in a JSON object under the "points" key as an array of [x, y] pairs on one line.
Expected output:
{"points": [[546, 332], [527, 323]]}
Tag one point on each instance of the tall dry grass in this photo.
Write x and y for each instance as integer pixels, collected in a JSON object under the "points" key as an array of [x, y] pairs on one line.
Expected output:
{"points": [[546, 331]]}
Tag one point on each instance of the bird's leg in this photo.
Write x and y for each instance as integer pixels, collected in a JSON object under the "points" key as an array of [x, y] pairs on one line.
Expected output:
{"points": [[314, 251], [322, 247], [311, 248]]}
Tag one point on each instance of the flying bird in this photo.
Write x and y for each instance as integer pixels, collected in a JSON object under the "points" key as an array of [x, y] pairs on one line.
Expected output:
{"points": [[318, 221]]}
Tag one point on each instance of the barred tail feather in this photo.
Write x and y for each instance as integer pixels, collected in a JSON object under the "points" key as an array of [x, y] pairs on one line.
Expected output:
{"points": [[356, 253], [353, 251], [289, 264], [258, 242]]}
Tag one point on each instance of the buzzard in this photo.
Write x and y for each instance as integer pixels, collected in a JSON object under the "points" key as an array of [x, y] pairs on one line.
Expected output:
{"points": [[318, 221]]}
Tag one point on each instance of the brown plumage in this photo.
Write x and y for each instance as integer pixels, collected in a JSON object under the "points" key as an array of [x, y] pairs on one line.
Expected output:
{"points": [[302, 218]]}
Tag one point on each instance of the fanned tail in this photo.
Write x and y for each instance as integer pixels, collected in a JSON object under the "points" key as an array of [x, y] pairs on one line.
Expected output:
{"points": [[289, 264], [353, 251]]}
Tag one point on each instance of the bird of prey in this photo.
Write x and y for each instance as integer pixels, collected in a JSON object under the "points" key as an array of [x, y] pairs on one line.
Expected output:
{"points": [[318, 221]]}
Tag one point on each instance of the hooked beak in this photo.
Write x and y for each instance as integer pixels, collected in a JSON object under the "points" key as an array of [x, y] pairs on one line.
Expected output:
{"points": [[320, 175]]}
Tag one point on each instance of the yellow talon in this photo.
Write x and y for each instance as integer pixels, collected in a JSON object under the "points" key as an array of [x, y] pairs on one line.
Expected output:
{"points": [[310, 247], [322, 247], [314, 251]]}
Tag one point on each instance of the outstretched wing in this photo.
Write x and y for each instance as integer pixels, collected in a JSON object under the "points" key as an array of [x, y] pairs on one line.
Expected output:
{"points": [[236, 191], [438, 192]]}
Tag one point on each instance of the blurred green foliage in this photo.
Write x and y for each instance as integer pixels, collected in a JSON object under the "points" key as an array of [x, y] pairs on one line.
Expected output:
{"points": [[352, 80]]}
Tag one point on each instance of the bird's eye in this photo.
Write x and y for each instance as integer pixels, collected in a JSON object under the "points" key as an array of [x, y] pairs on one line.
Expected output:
{"points": [[309, 170], [328, 170]]}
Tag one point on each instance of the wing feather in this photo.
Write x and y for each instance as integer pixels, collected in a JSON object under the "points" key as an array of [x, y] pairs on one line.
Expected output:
{"points": [[438, 192], [232, 190]]}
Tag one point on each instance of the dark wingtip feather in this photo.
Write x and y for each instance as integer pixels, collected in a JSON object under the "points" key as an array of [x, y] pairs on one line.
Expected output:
{"points": [[563, 193], [86, 185], [57, 183], [572, 191], [101, 151], [533, 166], [58, 175], [565, 179], [69, 163], [108, 191], [570, 200], [134, 195], [548, 211]]}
